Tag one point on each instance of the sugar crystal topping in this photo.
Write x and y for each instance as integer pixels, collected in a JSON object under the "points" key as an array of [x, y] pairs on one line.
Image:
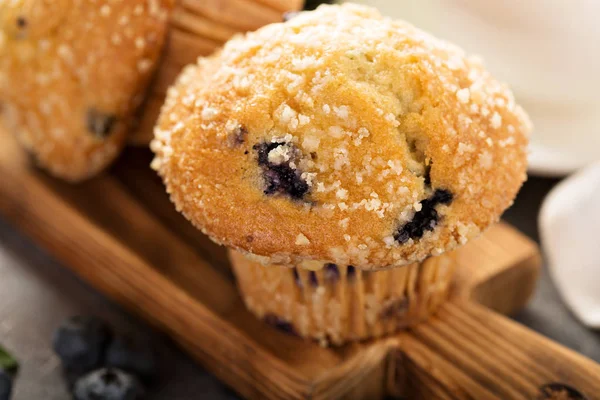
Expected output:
{"points": [[372, 115]]}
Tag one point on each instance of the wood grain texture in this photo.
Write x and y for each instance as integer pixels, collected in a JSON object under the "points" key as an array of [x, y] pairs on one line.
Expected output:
{"points": [[198, 28], [468, 352], [505, 268], [120, 233]]}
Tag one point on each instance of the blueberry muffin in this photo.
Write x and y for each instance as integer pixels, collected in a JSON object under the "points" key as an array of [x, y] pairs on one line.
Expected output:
{"points": [[72, 72], [340, 143], [339, 304], [341, 136]]}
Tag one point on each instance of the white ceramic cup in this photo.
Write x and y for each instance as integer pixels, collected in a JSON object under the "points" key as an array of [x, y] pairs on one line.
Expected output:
{"points": [[549, 53]]}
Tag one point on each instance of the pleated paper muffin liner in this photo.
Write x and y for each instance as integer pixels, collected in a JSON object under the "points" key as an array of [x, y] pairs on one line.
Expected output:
{"points": [[336, 304]]}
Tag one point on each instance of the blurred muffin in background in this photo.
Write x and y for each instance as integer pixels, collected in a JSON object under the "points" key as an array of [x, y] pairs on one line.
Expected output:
{"points": [[73, 74]]}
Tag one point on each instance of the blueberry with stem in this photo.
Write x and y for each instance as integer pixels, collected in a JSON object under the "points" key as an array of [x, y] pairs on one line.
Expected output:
{"points": [[107, 384]]}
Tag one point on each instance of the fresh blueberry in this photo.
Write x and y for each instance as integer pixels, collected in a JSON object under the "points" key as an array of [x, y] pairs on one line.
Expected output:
{"points": [[80, 343], [107, 384], [424, 220], [6, 383], [134, 356]]}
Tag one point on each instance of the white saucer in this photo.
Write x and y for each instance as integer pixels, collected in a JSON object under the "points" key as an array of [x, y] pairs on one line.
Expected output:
{"points": [[549, 162], [550, 157]]}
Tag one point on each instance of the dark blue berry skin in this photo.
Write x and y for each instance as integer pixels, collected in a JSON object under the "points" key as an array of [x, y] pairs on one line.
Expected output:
{"points": [[6, 383], [107, 384], [424, 220], [80, 343], [135, 357], [427, 177], [281, 178]]}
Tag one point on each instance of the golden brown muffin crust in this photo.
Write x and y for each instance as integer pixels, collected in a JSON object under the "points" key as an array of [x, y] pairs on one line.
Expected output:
{"points": [[343, 136]]}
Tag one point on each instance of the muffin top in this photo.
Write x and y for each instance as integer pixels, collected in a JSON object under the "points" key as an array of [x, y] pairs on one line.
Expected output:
{"points": [[340, 136]]}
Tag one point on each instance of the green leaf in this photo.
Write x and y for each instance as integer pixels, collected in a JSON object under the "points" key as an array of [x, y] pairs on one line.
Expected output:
{"points": [[8, 362]]}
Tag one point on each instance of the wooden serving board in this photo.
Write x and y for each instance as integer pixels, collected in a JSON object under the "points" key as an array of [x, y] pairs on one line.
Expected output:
{"points": [[120, 233]]}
